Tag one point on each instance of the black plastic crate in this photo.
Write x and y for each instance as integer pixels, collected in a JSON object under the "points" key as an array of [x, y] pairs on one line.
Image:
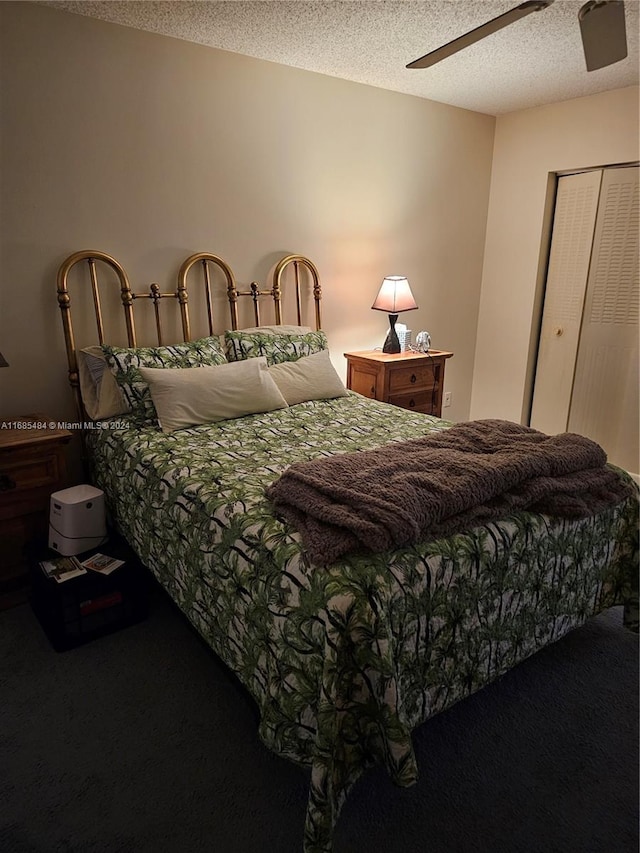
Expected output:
{"points": [[91, 605]]}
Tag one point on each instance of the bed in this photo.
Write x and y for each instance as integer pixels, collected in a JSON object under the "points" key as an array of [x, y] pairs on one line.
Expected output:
{"points": [[343, 661]]}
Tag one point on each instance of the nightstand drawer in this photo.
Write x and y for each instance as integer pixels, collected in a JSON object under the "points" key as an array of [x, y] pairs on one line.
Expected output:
{"points": [[406, 378], [22, 474], [419, 402], [364, 382]]}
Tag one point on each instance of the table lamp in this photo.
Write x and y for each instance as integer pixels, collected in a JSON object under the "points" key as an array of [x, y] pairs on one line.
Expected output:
{"points": [[393, 297]]}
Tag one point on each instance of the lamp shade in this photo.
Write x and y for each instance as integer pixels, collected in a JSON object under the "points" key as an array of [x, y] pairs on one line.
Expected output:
{"points": [[394, 295]]}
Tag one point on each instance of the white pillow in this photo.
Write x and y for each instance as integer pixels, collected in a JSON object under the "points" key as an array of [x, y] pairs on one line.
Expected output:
{"points": [[311, 377], [101, 396], [188, 396]]}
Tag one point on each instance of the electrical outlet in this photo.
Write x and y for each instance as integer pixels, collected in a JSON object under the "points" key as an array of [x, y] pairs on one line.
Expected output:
{"points": [[447, 399]]}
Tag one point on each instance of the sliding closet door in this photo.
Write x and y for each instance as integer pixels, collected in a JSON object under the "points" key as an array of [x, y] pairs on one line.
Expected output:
{"points": [[573, 227], [604, 402]]}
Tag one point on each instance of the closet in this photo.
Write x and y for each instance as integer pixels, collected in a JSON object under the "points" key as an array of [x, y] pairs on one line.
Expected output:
{"points": [[586, 377]]}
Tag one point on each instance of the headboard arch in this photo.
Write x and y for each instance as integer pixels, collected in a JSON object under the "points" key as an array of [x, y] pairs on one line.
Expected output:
{"points": [[64, 302], [64, 299], [205, 259], [298, 261]]}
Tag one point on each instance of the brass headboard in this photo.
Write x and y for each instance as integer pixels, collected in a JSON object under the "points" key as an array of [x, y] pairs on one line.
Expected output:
{"points": [[203, 261]]}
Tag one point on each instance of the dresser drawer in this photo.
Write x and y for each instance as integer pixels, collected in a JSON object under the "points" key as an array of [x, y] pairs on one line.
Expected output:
{"points": [[364, 382], [28, 479], [18, 475], [421, 401], [403, 379]]}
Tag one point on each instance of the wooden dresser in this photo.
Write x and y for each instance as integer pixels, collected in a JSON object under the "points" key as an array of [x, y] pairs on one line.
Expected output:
{"points": [[407, 379], [32, 466]]}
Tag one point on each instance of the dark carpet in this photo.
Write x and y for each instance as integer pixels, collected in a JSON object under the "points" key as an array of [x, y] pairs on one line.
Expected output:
{"points": [[141, 741]]}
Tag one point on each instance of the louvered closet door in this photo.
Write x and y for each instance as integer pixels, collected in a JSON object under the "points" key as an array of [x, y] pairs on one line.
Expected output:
{"points": [[604, 402], [573, 228]]}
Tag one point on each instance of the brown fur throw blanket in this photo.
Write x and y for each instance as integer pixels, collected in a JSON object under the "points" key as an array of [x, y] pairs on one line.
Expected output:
{"points": [[442, 483]]}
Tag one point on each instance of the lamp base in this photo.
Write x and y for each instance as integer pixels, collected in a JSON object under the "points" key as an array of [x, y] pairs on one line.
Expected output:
{"points": [[392, 344]]}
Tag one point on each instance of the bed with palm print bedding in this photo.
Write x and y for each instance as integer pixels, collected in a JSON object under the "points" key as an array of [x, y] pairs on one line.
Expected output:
{"points": [[345, 661]]}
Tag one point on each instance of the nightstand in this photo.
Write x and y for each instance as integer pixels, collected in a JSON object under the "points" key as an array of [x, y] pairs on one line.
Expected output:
{"points": [[407, 379], [32, 466]]}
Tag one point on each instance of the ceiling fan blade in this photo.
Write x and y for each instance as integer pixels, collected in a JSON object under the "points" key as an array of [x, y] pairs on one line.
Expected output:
{"points": [[480, 32], [604, 35]]}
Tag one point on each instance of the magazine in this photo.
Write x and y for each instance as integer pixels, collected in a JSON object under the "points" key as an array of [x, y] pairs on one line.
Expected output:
{"points": [[62, 569], [102, 563]]}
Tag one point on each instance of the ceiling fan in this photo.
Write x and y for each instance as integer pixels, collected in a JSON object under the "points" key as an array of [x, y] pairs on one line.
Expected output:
{"points": [[604, 37]]}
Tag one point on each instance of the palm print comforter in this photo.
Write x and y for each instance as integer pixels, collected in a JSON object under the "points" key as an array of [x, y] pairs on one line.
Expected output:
{"points": [[345, 661]]}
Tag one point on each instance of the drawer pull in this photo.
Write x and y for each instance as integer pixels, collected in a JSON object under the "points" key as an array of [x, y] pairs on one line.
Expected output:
{"points": [[6, 483], [373, 391], [412, 403], [414, 378]]}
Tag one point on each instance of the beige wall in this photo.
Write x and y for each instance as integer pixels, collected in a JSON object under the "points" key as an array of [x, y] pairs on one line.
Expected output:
{"points": [[151, 148], [529, 145]]}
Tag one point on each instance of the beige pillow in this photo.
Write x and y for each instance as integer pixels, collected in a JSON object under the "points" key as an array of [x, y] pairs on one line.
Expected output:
{"points": [[101, 395], [311, 377], [185, 397]]}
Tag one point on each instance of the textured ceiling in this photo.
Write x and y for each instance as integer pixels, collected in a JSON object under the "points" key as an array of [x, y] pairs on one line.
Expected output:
{"points": [[537, 60]]}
